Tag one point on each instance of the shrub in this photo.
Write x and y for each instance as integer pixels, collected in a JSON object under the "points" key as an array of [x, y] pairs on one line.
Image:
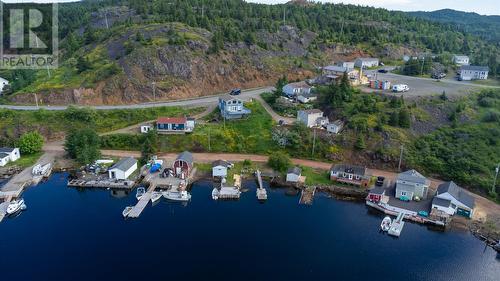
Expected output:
{"points": [[30, 143], [279, 161]]}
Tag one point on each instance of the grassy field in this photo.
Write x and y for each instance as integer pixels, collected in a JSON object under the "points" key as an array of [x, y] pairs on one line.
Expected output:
{"points": [[26, 160]]}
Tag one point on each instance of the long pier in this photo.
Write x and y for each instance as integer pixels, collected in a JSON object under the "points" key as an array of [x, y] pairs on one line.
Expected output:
{"points": [[261, 191], [141, 205]]}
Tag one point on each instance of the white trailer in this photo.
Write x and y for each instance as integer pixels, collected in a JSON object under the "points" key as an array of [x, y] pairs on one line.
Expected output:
{"points": [[400, 88]]}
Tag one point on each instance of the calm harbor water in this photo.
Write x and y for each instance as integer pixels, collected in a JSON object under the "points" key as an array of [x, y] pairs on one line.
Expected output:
{"points": [[68, 234]]}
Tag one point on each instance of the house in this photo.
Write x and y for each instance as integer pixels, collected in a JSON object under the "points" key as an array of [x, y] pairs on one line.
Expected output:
{"points": [[377, 194], [309, 117], [172, 125], [145, 129], [8, 154], [473, 72], [220, 167], [349, 174], [411, 185], [307, 97], [335, 127], [346, 64], [460, 60], [366, 62], [183, 165], [293, 175], [232, 107], [452, 199], [3, 83], [122, 169], [292, 90], [336, 71]]}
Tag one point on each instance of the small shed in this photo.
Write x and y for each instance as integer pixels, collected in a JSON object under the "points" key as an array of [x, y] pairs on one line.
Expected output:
{"points": [[123, 169], [220, 167], [145, 129], [335, 127], [183, 164], [293, 174], [4, 159]]}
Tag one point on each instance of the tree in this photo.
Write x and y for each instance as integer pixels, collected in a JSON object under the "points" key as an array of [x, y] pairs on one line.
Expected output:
{"points": [[394, 119], [82, 64], [279, 161], [404, 118], [149, 146], [360, 143], [443, 96], [30, 143], [280, 84], [83, 145]]}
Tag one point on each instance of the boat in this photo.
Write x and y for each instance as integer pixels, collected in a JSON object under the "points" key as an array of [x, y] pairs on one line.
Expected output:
{"points": [[386, 224], [41, 170], [155, 196], [140, 192], [127, 211], [16, 206], [215, 194], [177, 195]]}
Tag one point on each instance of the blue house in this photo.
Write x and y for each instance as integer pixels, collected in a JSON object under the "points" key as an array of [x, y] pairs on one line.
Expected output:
{"points": [[232, 107]]}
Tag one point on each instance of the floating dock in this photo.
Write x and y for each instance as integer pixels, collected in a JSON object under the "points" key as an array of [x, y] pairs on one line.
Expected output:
{"points": [[397, 225], [141, 205], [261, 191], [307, 195]]}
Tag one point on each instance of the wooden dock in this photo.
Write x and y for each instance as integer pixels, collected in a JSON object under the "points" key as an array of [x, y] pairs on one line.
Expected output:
{"points": [[307, 195], [397, 225], [261, 191], [141, 205], [128, 184]]}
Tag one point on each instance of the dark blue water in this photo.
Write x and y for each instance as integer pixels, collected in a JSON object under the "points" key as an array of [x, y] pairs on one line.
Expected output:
{"points": [[80, 235]]}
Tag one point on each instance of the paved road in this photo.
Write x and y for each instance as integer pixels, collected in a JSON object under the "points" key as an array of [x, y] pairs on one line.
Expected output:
{"points": [[420, 87], [195, 102]]}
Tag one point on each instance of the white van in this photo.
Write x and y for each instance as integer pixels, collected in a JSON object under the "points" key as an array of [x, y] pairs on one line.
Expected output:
{"points": [[400, 88]]}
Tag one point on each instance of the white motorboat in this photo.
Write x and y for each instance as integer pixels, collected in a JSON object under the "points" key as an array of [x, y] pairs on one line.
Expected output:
{"points": [[140, 192], [215, 194], [155, 196], [177, 195], [16, 206], [386, 224], [127, 211]]}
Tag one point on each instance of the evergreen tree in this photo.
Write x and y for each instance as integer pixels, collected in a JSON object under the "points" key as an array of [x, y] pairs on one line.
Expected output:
{"points": [[394, 119], [360, 143], [404, 118]]}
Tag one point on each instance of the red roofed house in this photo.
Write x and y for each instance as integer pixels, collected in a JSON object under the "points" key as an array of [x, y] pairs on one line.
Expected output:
{"points": [[168, 125]]}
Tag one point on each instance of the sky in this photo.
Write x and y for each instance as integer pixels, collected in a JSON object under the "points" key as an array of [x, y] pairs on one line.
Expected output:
{"points": [[484, 7]]}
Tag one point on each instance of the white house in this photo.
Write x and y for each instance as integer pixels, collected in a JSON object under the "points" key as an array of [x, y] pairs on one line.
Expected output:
{"points": [[8, 154], [232, 107], [452, 199], [335, 127], [473, 72], [309, 117], [346, 64], [122, 169], [460, 60], [294, 89], [220, 167], [307, 97], [3, 83], [293, 175], [366, 62]]}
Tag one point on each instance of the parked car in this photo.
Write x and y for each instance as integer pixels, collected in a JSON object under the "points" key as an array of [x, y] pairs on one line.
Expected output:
{"points": [[400, 88], [383, 71], [380, 181], [438, 75], [235, 92]]}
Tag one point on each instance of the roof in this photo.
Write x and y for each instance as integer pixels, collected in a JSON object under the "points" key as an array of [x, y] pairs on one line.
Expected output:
{"points": [[368, 59], [124, 164], [461, 56], [301, 84], [312, 111], [377, 190], [413, 176], [6, 149], [295, 170], [337, 68], [457, 192], [307, 95], [338, 123], [223, 163], [475, 68], [228, 98], [3, 155], [441, 202], [352, 169], [171, 120], [186, 156]]}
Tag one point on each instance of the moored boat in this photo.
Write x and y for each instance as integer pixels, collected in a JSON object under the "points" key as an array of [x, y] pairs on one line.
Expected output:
{"points": [[140, 192], [177, 195], [16, 206], [155, 196], [386, 224], [127, 211]]}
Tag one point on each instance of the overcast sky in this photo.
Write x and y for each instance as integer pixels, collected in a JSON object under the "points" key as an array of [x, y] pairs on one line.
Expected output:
{"points": [[484, 7]]}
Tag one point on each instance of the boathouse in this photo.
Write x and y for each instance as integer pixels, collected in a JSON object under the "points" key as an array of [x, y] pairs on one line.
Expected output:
{"points": [[220, 167], [123, 169], [377, 194], [452, 199], [293, 175], [183, 165]]}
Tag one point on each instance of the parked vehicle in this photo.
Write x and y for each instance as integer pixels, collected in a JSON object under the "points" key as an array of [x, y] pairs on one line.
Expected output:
{"points": [[383, 71], [400, 88], [235, 92], [438, 75]]}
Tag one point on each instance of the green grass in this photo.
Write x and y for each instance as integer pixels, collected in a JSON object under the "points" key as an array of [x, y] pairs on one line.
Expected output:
{"points": [[26, 160], [315, 177]]}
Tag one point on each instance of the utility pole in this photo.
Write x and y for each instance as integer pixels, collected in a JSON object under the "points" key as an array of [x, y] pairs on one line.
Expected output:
{"points": [[497, 169], [284, 15], [400, 157], [209, 148], [314, 142], [423, 62], [36, 100], [154, 89]]}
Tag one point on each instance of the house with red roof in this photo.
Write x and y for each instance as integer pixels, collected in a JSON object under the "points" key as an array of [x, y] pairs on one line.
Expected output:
{"points": [[175, 125]]}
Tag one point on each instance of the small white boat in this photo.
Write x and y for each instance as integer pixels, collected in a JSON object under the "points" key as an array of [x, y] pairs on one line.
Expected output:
{"points": [[386, 224], [215, 194], [177, 195], [16, 206], [155, 196], [127, 211], [140, 192]]}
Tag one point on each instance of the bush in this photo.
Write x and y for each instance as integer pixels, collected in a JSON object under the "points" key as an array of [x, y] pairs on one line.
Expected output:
{"points": [[279, 161], [30, 143], [83, 145]]}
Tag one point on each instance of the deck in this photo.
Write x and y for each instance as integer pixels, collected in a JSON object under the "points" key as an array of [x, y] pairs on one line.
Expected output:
{"points": [[141, 205], [261, 191], [307, 195]]}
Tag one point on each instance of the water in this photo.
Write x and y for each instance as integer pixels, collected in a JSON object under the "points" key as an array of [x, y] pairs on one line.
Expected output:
{"points": [[80, 235]]}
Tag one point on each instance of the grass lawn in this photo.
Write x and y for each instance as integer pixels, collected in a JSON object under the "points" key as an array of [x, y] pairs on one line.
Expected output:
{"points": [[26, 160], [314, 177]]}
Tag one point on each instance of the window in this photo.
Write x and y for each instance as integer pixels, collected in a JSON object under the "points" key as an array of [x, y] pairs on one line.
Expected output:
{"points": [[404, 193]]}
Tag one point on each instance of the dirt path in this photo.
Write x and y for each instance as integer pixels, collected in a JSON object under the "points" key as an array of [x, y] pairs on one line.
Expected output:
{"points": [[273, 113]]}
